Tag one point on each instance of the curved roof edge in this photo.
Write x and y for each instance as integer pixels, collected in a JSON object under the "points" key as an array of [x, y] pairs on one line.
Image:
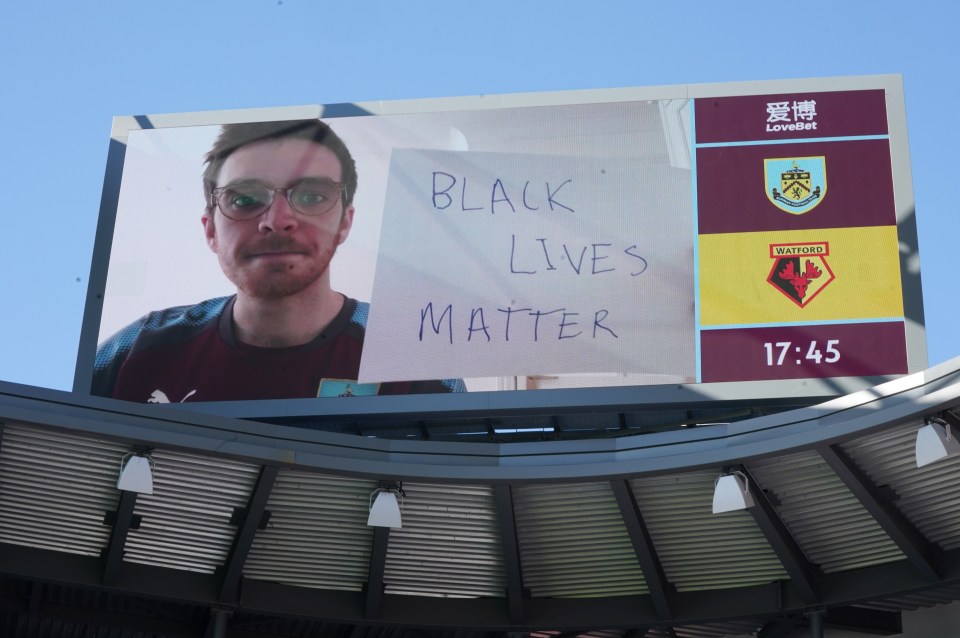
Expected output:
{"points": [[835, 420]]}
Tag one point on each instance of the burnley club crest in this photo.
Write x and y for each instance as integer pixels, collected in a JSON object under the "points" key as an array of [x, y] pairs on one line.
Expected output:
{"points": [[796, 184]]}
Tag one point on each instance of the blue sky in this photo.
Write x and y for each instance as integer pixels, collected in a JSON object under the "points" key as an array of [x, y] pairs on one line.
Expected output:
{"points": [[68, 67]]}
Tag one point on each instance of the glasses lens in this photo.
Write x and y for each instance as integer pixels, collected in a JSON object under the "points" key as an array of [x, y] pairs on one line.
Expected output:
{"points": [[244, 201], [314, 197]]}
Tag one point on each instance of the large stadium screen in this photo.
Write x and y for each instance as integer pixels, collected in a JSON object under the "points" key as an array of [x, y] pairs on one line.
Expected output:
{"points": [[751, 233]]}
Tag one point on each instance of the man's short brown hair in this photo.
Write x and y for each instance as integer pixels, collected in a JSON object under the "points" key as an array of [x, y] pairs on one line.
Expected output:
{"points": [[235, 136]]}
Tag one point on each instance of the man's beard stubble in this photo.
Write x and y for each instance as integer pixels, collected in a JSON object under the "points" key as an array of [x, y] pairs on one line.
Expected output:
{"points": [[273, 281]]}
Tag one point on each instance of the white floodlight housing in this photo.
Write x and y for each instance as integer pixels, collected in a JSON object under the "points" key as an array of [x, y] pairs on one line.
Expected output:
{"points": [[136, 474], [731, 492], [385, 510], [935, 441]]}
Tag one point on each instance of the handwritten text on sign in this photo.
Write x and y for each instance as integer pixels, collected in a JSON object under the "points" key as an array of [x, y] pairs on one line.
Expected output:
{"points": [[500, 264]]}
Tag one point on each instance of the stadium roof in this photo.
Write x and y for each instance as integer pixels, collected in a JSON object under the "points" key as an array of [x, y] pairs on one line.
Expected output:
{"points": [[538, 523]]}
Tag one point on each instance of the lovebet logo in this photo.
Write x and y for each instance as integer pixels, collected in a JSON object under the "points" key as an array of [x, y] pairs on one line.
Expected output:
{"points": [[791, 116]]}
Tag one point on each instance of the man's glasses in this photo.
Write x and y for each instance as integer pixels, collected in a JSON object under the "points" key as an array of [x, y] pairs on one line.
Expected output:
{"points": [[311, 197]]}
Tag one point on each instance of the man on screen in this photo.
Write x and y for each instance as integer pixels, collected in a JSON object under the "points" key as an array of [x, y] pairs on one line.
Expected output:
{"points": [[279, 201]]}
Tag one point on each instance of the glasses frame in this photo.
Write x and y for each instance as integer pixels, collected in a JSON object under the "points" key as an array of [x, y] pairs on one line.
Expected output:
{"points": [[216, 192]]}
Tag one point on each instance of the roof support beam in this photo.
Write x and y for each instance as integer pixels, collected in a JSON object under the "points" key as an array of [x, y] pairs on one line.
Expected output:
{"points": [[864, 620], [36, 591], [804, 576], [855, 619], [217, 624], [922, 554], [378, 563], [503, 495], [123, 619], [243, 541], [839, 589], [653, 572], [779, 627], [122, 520], [947, 415]]}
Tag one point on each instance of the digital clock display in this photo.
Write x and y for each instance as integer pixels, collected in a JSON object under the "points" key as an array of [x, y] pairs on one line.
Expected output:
{"points": [[777, 352], [802, 352]]}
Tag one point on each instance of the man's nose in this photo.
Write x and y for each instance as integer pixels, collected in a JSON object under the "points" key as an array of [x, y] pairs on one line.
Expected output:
{"points": [[279, 216]]}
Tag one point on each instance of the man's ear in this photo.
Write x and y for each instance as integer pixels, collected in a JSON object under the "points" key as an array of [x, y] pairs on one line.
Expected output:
{"points": [[209, 231], [346, 223]]}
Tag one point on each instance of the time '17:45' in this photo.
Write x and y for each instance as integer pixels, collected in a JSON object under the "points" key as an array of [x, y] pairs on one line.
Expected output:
{"points": [[777, 352]]}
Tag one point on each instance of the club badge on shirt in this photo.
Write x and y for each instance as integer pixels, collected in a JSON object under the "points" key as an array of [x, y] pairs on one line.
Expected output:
{"points": [[346, 388]]}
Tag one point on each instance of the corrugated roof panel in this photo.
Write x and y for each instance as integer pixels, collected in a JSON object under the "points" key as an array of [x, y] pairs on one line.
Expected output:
{"points": [[699, 549], [594, 633], [449, 544], [186, 521], [55, 489], [828, 522], [927, 496], [728, 629], [917, 600], [317, 535], [573, 542]]}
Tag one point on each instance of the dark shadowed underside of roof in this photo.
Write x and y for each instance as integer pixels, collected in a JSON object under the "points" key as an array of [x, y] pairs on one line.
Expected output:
{"points": [[593, 524]]}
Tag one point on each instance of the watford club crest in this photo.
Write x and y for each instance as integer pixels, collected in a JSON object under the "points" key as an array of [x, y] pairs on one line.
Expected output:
{"points": [[796, 184], [800, 271]]}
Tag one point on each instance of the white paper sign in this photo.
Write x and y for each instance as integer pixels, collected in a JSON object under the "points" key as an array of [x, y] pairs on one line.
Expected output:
{"points": [[504, 264]]}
